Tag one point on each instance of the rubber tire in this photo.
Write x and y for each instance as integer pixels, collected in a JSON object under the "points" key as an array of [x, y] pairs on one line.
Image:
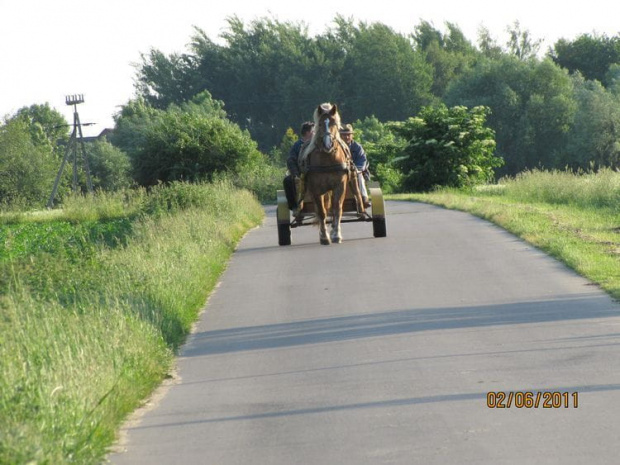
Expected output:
{"points": [[284, 234], [378, 227]]}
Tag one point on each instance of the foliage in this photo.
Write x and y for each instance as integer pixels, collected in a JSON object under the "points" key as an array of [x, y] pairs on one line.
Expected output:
{"points": [[27, 164], [590, 54], [594, 139], [110, 167], [44, 121], [191, 141], [450, 54], [382, 147], [532, 108], [375, 53], [272, 74], [584, 189], [93, 310], [280, 153], [521, 44], [447, 147]]}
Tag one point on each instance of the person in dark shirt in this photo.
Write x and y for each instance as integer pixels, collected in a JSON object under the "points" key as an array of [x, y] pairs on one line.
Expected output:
{"points": [[292, 164], [359, 159]]}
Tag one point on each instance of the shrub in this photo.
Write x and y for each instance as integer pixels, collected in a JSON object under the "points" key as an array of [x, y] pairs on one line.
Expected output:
{"points": [[447, 147]]}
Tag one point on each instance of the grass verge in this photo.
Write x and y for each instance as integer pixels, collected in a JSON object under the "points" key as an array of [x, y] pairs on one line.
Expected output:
{"points": [[94, 302], [573, 217]]}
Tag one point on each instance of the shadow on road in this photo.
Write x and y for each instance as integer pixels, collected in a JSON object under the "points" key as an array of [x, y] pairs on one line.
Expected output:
{"points": [[397, 322], [481, 396]]}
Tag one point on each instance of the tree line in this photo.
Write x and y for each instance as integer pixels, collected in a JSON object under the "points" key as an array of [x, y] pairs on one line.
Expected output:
{"points": [[553, 111], [232, 107]]}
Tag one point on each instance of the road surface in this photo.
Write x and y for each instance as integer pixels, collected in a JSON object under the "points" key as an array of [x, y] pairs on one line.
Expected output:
{"points": [[384, 350]]}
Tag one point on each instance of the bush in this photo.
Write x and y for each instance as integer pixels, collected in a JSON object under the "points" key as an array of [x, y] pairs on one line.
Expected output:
{"points": [[27, 169], [109, 166], [447, 147]]}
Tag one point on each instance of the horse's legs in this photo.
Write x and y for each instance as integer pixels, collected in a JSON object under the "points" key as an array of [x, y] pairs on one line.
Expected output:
{"points": [[337, 202], [321, 214]]}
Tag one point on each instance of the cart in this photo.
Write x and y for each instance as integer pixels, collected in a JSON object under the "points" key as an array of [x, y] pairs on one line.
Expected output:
{"points": [[375, 214]]}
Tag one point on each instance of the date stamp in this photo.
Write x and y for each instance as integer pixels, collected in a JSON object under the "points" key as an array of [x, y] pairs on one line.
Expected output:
{"points": [[532, 399]]}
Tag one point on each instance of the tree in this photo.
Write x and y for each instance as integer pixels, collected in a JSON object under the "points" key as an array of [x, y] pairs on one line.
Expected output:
{"points": [[447, 147], [521, 44], [272, 75], [382, 146], [27, 168], [488, 45], [591, 55], [133, 123], [595, 135], [383, 74], [110, 167], [190, 142], [163, 80], [449, 54], [44, 121], [532, 108]]}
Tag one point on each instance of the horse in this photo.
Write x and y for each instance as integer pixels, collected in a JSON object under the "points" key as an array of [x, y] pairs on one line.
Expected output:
{"points": [[327, 167]]}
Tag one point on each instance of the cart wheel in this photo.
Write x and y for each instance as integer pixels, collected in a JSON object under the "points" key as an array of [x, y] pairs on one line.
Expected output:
{"points": [[284, 234], [378, 227], [378, 212], [284, 219]]}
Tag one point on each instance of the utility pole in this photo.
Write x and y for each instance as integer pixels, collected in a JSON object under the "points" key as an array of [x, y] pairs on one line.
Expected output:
{"points": [[72, 150]]}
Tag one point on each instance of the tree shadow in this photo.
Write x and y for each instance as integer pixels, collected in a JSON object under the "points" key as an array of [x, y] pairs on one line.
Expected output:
{"points": [[409, 321]]}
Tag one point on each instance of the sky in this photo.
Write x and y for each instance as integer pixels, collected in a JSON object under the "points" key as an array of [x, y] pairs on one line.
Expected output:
{"points": [[50, 49]]}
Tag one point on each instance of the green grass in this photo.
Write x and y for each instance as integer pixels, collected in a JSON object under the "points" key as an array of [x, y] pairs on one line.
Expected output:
{"points": [[93, 307], [573, 217]]}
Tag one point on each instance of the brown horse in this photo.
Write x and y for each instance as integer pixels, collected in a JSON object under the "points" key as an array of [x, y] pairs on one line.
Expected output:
{"points": [[326, 162]]}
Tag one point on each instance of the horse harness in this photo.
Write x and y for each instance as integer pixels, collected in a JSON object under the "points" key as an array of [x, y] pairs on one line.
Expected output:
{"points": [[305, 167]]}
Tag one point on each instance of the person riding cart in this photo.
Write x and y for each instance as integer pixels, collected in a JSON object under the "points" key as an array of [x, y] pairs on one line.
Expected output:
{"points": [[359, 159], [292, 163]]}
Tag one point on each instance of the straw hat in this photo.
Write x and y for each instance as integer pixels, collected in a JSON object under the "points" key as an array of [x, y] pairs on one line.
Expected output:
{"points": [[347, 129]]}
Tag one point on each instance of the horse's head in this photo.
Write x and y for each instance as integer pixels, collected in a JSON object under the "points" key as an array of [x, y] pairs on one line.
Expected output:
{"points": [[327, 125]]}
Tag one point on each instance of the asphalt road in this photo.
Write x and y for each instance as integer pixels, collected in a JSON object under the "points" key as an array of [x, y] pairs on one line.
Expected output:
{"points": [[383, 351]]}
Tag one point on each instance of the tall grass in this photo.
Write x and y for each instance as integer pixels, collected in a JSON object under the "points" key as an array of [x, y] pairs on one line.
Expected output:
{"points": [[601, 189], [94, 306], [261, 179]]}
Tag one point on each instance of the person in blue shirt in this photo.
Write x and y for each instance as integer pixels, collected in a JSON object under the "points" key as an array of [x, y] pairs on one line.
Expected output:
{"points": [[359, 159], [306, 132]]}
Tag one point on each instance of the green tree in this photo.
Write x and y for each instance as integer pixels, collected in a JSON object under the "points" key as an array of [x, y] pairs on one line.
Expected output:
{"points": [[449, 54], [280, 153], [382, 146], [532, 108], [190, 142], [521, 44], [163, 80], [132, 124], [595, 135], [272, 74], [43, 120], [590, 54], [447, 147], [110, 167], [383, 74], [488, 45], [27, 167]]}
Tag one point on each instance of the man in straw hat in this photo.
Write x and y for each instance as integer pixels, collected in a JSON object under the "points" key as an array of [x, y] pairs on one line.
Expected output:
{"points": [[359, 158], [292, 163]]}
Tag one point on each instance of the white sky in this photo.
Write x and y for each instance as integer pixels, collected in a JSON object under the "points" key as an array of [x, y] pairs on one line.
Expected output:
{"points": [[49, 49]]}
